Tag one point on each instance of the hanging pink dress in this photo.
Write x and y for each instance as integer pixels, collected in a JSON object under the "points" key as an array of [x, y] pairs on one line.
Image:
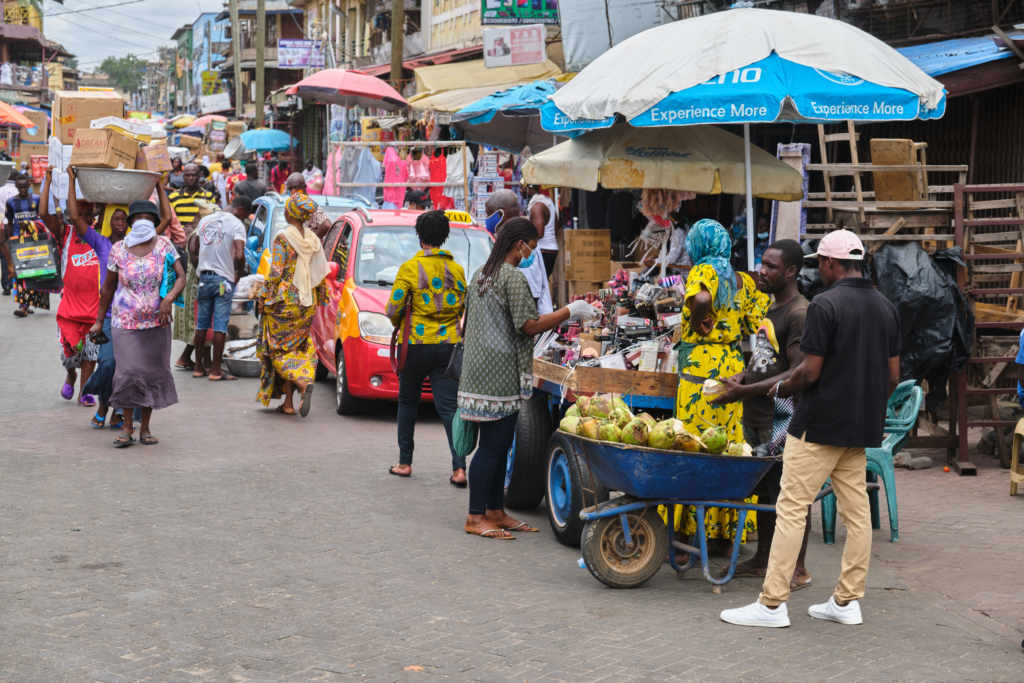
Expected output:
{"points": [[395, 171], [419, 171]]}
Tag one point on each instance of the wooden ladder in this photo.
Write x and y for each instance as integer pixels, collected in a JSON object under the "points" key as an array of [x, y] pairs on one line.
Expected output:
{"points": [[852, 137]]}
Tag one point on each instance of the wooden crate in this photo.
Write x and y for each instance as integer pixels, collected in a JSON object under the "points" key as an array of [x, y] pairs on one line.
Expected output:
{"points": [[587, 380]]}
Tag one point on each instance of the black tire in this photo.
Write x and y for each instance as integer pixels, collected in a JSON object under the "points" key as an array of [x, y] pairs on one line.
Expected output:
{"points": [[345, 403], [524, 475], [615, 565], [321, 372], [564, 490]]}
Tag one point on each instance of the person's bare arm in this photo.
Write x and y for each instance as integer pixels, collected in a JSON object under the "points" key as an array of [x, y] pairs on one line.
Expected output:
{"points": [[894, 373], [106, 296], [699, 304], [324, 227], [176, 289], [81, 227], [166, 214], [737, 391], [48, 219], [802, 379], [539, 216], [193, 251], [238, 256], [548, 321]]}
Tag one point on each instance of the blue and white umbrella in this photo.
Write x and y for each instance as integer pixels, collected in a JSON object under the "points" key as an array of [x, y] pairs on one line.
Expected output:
{"points": [[745, 66], [268, 140], [508, 119]]}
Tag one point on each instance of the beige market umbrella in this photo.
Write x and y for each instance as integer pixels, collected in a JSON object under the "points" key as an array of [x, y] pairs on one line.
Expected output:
{"points": [[701, 159]]}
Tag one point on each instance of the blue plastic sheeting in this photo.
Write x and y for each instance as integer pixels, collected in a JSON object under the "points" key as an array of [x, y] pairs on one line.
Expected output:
{"points": [[523, 100], [948, 56], [772, 89]]}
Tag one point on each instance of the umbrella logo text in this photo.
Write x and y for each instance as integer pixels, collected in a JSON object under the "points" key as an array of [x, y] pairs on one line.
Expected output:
{"points": [[840, 78], [655, 152]]}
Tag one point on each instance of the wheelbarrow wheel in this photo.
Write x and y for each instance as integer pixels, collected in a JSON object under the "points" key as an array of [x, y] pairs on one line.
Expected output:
{"points": [[616, 563], [565, 494]]}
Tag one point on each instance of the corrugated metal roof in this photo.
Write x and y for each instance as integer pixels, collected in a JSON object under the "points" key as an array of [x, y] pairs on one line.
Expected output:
{"points": [[947, 56]]}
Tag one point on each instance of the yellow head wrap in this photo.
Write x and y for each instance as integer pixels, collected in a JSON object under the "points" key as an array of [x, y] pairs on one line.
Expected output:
{"points": [[300, 206]]}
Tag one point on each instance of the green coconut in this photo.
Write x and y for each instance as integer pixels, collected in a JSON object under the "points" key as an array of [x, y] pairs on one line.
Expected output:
{"points": [[715, 439], [635, 433], [737, 448], [609, 431], [601, 406], [647, 419], [569, 424], [574, 411], [621, 405], [621, 417], [582, 403], [588, 427], [662, 436]]}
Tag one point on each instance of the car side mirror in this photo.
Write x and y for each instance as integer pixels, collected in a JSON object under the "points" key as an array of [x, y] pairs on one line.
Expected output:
{"points": [[332, 269], [253, 243]]}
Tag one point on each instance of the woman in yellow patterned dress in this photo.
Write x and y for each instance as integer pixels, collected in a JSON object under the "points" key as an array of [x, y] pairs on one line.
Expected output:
{"points": [[294, 288], [721, 307]]}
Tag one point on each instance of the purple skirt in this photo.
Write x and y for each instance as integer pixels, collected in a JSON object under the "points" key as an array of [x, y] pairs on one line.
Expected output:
{"points": [[143, 375]]}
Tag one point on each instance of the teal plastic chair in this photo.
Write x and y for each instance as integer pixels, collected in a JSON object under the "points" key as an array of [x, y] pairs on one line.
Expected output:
{"points": [[901, 415]]}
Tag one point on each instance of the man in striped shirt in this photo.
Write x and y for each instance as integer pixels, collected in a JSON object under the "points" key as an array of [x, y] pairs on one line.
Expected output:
{"points": [[183, 200]]}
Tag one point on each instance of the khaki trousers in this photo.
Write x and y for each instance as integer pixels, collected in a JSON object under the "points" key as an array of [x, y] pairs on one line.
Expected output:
{"points": [[805, 468]]}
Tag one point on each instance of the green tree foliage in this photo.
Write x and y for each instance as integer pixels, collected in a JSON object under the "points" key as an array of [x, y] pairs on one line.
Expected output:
{"points": [[125, 72]]}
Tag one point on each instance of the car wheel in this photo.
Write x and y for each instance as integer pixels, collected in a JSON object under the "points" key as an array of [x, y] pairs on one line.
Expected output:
{"points": [[345, 403]]}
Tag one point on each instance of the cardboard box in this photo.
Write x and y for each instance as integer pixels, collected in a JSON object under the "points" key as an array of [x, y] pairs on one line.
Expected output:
{"points": [[153, 157], [583, 287], [190, 142], [588, 254], [103, 149], [42, 123], [234, 129], [130, 128], [27, 151], [73, 111]]}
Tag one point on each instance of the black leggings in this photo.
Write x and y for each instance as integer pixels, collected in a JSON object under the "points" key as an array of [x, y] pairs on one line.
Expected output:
{"points": [[550, 259], [487, 470]]}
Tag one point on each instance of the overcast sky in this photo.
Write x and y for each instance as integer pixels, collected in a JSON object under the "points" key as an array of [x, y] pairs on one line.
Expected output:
{"points": [[138, 28]]}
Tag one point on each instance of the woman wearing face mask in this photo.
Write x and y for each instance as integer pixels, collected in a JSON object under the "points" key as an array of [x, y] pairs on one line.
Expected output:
{"points": [[433, 285], [141, 318], [762, 241], [497, 369]]}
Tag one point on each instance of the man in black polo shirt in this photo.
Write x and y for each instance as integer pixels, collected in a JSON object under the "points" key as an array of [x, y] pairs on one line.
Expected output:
{"points": [[851, 346]]}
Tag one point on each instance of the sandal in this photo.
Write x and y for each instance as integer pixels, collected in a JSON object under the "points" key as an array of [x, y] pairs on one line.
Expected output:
{"points": [[523, 526], [20, 313], [391, 470], [280, 409], [98, 425], [122, 442], [307, 398], [794, 587], [199, 375], [489, 532], [148, 440], [184, 366], [223, 378], [117, 425], [457, 484], [87, 401], [67, 392]]}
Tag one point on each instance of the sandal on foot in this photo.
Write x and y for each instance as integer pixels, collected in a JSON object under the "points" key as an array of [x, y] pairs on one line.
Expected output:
{"points": [[794, 586], [223, 378], [148, 440], [184, 366], [741, 573], [391, 470], [280, 409], [458, 484], [114, 424], [121, 442], [199, 375], [98, 425], [523, 526], [87, 401], [307, 398], [67, 392], [20, 313], [490, 534]]}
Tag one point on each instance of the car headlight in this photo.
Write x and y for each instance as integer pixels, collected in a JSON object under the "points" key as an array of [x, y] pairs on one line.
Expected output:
{"points": [[375, 327]]}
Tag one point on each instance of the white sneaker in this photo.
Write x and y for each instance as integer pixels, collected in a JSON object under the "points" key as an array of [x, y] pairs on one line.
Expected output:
{"points": [[832, 611], [756, 614]]}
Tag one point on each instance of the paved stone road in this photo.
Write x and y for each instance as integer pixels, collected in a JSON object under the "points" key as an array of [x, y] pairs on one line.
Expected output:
{"points": [[248, 546]]}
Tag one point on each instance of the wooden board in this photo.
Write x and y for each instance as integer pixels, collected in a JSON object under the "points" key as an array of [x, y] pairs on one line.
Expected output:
{"points": [[995, 313], [881, 220], [894, 187], [587, 380]]}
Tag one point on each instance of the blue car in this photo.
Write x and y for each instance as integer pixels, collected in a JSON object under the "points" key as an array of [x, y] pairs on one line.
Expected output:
{"points": [[268, 220]]}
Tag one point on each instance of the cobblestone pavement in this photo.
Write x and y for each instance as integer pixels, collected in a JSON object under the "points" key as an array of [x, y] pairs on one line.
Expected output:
{"points": [[249, 546]]}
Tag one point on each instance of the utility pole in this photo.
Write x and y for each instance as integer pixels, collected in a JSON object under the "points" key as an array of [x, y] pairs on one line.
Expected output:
{"points": [[236, 57], [397, 38], [261, 47]]}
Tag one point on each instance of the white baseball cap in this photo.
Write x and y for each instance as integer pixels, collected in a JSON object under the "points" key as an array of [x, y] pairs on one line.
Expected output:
{"points": [[840, 244]]}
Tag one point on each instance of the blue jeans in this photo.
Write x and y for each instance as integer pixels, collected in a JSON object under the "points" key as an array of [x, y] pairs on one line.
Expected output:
{"points": [[487, 471], [214, 307], [421, 362]]}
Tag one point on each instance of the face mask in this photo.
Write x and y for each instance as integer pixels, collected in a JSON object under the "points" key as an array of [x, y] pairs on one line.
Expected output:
{"points": [[492, 221], [762, 235], [527, 260]]}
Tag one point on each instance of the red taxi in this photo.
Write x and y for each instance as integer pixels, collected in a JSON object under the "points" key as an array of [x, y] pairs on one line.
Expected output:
{"points": [[351, 334]]}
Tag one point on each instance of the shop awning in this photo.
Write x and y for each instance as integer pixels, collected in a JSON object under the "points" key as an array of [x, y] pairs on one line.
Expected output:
{"points": [[424, 60], [473, 74]]}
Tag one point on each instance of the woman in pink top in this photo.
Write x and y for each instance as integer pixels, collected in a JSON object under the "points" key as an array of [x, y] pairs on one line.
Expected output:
{"points": [[395, 171]]}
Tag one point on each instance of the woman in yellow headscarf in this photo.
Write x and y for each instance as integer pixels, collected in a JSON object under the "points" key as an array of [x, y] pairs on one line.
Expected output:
{"points": [[294, 288]]}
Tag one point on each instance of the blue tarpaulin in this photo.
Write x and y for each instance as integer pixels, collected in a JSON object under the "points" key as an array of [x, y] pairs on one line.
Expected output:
{"points": [[507, 119], [948, 56]]}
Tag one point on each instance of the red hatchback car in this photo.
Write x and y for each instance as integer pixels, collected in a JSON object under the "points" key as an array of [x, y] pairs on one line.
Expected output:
{"points": [[351, 334]]}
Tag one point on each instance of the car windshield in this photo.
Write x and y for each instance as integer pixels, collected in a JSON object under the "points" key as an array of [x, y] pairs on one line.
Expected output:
{"points": [[383, 249], [333, 212]]}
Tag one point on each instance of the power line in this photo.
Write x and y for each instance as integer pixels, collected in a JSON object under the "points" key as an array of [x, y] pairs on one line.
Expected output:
{"points": [[127, 16], [90, 9], [138, 33]]}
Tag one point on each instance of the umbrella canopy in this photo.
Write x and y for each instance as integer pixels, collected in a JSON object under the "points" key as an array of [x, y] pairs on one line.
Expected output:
{"points": [[182, 121], [747, 66], [701, 159], [267, 140], [203, 120], [10, 115], [508, 119], [349, 88]]}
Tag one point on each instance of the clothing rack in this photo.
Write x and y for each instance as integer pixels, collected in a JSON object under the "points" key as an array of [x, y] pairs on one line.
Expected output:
{"points": [[417, 143]]}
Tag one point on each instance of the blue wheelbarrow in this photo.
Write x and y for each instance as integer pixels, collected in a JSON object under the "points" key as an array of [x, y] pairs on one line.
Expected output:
{"points": [[624, 539]]}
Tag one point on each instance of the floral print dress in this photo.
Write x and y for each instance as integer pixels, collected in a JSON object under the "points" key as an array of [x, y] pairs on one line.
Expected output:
{"points": [[284, 345]]}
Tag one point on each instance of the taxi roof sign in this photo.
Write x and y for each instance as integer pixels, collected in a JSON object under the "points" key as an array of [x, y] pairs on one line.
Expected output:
{"points": [[460, 217]]}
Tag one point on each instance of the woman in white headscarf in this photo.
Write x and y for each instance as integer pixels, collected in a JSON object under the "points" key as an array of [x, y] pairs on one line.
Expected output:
{"points": [[149, 277], [291, 293]]}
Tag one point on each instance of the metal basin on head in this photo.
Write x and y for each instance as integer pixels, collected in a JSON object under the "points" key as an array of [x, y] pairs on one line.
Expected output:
{"points": [[116, 185], [651, 473]]}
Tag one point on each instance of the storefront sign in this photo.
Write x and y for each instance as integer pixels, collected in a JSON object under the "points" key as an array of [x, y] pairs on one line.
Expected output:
{"points": [[212, 83], [515, 12], [300, 54], [211, 103], [514, 45]]}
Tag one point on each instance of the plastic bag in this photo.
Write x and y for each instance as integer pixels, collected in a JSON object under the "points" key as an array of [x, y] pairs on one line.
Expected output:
{"points": [[935, 321]]}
